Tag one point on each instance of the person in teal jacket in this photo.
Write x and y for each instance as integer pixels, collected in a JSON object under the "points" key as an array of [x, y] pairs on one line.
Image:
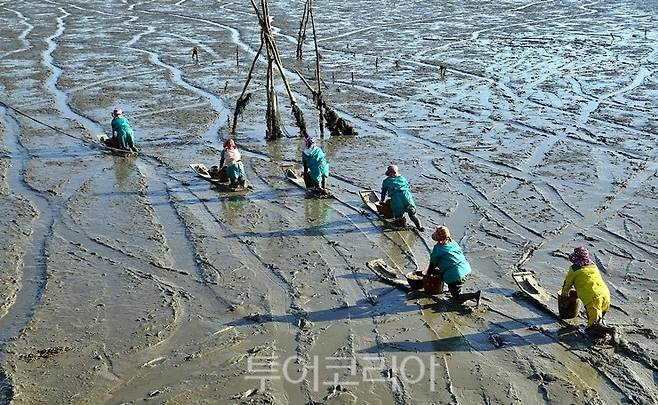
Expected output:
{"points": [[448, 260], [316, 168], [398, 189], [122, 132]]}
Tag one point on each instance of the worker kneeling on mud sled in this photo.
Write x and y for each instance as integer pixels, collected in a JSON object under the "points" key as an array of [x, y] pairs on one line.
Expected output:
{"points": [[401, 201], [448, 261], [316, 168], [231, 163], [122, 132], [585, 277]]}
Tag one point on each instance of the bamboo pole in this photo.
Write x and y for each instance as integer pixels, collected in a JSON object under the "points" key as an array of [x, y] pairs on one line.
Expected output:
{"points": [[301, 34], [244, 89], [272, 45], [319, 102]]}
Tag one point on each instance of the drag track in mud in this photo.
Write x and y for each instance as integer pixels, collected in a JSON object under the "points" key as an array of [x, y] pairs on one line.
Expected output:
{"points": [[128, 279]]}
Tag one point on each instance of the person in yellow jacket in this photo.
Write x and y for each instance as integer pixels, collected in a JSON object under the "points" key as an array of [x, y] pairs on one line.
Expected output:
{"points": [[585, 277]]}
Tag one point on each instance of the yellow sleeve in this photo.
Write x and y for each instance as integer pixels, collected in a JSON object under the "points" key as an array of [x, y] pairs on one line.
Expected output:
{"points": [[568, 282]]}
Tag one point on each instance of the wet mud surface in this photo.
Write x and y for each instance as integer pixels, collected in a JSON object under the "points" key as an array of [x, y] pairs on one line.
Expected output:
{"points": [[125, 280]]}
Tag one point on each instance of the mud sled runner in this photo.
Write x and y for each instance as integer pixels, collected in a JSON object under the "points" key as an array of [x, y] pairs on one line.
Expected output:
{"points": [[296, 178], [102, 140], [370, 200], [220, 182], [412, 281], [388, 274], [531, 288]]}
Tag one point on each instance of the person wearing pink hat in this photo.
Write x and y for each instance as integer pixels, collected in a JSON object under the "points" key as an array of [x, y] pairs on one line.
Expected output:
{"points": [[122, 132], [231, 161], [584, 276], [316, 168]]}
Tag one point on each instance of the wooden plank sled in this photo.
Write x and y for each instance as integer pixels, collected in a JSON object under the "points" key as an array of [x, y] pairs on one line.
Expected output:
{"points": [[102, 138], [529, 286], [388, 274], [296, 178], [371, 200], [202, 171]]}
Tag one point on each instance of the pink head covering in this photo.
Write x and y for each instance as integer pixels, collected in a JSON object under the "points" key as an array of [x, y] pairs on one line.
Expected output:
{"points": [[117, 112], [311, 142], [229, 144], [580, 257], [392, 170]]}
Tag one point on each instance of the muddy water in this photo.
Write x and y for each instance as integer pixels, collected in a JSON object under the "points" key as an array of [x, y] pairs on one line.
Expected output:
{"points": [[128, 279]]}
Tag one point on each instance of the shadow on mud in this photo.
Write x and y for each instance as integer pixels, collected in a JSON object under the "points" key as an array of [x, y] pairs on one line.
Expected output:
{"points": [[6, 389], [499, 336], [341, 227]]}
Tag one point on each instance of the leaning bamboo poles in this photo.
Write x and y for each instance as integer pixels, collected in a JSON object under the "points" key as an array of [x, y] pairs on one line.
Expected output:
{"points": [[273, 54], [244, 98], [319, 102], [335, 124], [327, 116], [301, 34]]}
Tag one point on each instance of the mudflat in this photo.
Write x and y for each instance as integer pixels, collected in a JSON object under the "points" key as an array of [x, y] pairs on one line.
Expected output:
{"points": [[129, 279]]}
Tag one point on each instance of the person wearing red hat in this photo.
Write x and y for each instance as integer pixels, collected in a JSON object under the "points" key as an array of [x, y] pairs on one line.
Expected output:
{"points": [[447, 260]]}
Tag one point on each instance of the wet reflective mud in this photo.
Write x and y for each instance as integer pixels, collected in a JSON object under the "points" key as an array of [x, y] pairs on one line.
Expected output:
{"points": [[126, 279]]}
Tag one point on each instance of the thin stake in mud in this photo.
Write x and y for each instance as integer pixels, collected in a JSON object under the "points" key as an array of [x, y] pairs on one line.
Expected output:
{"points": [[319, 102], [301, 34], [243, 100]]}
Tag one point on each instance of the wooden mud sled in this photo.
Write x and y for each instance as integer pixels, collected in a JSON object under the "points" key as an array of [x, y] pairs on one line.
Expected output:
{"points": [[221, 181], [411, 281], [102, 140], [296, 178], [531, 288], [383, 211]]}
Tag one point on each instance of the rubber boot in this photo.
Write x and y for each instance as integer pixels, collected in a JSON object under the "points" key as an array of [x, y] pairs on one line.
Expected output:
{"points": [[475, 296], [416, 222]]}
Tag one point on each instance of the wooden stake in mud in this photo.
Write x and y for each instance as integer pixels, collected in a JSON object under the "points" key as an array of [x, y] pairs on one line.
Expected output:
{"points": [[241, 104], [270, 43], [273, 130], [237, 56], [319, 102], [301, 34]]}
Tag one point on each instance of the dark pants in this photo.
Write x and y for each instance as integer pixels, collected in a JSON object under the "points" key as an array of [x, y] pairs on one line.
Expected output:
{"points": [[456, 288], [459, 296]]}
